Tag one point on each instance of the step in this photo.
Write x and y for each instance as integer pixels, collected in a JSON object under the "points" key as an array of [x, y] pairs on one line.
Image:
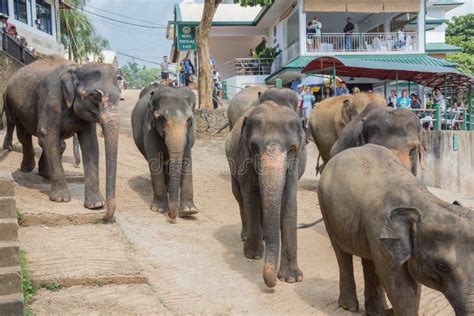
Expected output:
{"points": [[128, 299], [8, 230], [11, 304], [79, 255], [10, 280], [9, 254]]}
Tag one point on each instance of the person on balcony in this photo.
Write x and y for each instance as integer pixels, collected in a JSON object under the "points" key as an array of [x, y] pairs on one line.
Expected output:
{"points": [[348, 30], [314, 31], [402, 38], [403, 102], [3, 22], [260, 47], [438, 99]]}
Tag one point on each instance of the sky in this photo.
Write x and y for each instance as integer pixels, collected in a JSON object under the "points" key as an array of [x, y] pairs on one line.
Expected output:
{"points": [[146, 43]]}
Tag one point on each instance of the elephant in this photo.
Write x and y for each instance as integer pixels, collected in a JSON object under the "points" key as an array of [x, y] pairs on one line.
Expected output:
{"points": [[331, 115], [53, 99], [374, 208], [242, 101], [154, 85], [164, 129], [398, 130], [266, 152]]}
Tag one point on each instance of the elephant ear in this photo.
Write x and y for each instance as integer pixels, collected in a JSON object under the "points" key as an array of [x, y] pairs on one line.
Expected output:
{"points": [[398, 232], [69, 84], [346, 112]]}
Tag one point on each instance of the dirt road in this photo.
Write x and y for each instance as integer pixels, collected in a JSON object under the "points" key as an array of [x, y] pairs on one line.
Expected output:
{"points": [[194, 267]]}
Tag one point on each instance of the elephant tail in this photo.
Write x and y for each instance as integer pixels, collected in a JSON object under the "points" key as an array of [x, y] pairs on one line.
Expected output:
{"points": [[221, 129], [8, 140], [318, 166], [303, 226]]}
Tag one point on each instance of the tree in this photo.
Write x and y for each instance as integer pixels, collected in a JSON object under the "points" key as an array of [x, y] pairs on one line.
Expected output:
{"points": [[460, 32], [205, 84], [78, 34], [139, 77]]}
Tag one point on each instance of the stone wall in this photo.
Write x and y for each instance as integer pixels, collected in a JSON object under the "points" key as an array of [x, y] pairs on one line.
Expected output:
{"points": [[8, 66], [447, 168], [11, 292], [210, 121]]}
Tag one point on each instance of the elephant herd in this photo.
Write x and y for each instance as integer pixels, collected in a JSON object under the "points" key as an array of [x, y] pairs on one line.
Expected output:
{"points": [[373, 205]]}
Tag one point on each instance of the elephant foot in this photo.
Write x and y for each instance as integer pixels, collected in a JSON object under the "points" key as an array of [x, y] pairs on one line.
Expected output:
{"points": [[60, 195], [290, 273], [376, 306], [253, 250], [243, 234], [349, 302], [159, 206], [27, 165], [8, 145], [187, 209], [94, 200]]}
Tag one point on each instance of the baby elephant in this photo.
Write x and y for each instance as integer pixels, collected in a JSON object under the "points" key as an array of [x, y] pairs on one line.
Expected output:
{"points": [[163, 129], [374, 208], [267, 155]]}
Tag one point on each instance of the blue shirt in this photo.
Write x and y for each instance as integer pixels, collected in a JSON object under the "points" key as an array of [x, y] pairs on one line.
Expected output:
{"points": [[403, 103]]}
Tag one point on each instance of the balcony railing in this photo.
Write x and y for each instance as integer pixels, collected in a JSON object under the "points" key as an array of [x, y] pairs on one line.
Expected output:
{"points": [[245, 67], [361, 42], [13, 47]]}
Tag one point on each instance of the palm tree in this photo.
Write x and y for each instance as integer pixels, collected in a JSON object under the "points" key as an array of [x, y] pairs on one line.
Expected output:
{"points": [[78, 34]]}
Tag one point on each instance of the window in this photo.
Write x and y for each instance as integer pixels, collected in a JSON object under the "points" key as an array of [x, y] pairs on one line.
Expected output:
{"points": [[20, 10], [292, 31], [43, 16], [4, 6]]}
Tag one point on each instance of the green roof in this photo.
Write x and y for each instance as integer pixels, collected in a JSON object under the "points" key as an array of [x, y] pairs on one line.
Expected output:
{"points": [[449, 2], [442, 48]]}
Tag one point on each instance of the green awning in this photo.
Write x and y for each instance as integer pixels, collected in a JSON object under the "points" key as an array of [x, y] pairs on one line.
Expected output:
{"points": [[442, 48]]}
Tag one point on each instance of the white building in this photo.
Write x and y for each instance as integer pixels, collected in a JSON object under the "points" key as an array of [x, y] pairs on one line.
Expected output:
{"points": [[37, 21]]}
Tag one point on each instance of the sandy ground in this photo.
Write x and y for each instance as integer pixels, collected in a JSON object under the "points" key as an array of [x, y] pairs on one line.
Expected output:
{"points": [[196, 266]]}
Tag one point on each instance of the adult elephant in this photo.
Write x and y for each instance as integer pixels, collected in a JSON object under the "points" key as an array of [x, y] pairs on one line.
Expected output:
{"points": [[267, 155], [398, 130], [242, 101], [330, 116], [154, 85], [53, 99], [377, 210], [163, 129]]}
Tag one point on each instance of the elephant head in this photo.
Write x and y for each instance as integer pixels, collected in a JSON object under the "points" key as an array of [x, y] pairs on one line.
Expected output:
{"points": [[273, 139], [398, 130], [285, 96], [170, 113], [92, 92], [353, 106], [437, 255]]}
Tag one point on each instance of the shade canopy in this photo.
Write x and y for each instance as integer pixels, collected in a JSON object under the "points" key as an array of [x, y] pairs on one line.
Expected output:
{"points": [[422, 69], [363, 6]]}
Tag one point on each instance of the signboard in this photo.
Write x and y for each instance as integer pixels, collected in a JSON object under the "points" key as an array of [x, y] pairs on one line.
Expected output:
{"points": [[186, 37]]}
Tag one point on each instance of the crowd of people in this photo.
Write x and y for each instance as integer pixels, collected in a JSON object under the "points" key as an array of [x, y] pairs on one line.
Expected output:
{"points": [[11, 31]]}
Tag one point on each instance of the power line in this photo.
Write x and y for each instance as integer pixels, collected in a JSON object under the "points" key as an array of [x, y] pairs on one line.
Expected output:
{"points": [[123, 29], [124, 16], [138, 58]]}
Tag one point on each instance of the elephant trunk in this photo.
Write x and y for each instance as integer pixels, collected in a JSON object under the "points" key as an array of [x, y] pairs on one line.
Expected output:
{"points": [[175, 142], [272, 180], [109, 120]]}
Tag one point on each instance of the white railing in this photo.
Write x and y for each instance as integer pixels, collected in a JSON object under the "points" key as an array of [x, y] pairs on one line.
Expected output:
{"points": [[288, 54], [245, 67], [361, 42]]}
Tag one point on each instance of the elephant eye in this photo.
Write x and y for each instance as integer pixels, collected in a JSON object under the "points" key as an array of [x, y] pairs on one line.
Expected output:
{"points": [[442, 267], [96, 97]]}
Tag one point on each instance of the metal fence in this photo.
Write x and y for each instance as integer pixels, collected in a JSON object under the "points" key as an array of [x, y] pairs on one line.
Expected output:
{"points": [[12, 47], [450, 119], [245, 67], [361, 42]]}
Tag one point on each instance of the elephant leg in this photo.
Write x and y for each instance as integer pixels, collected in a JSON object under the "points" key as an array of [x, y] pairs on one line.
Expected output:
{"points": [[253, 245], [50, 143], [43, 166], [289, 270], [375, 303], [402, 290], [347, 287], [87, 137], [76, 151], [239, 198], [156, 160], [28, 162], [186, 203]]}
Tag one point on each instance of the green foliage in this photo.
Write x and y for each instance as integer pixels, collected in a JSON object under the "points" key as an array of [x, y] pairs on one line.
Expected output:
{"points": [[464, 61], [139, 77], [460, 32], [252, 3], [78, 34], [51, 286], [28, 287], [19, 217], [269, 53]]}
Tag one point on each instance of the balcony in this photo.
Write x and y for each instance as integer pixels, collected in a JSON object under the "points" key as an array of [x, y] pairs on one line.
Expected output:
{"points": [[361, 42], [13, 48], [245, 67]]}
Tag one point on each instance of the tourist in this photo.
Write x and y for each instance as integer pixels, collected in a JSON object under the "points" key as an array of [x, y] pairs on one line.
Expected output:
{"points": [[342, 90], [4, 22], [355, 90], [401, 37], [438, 99], [252, 53], [415, 103], [216, 88], [403, 102], [260, 47], [316, 26], [348, 30], [392, 99], [328, 92], [165, 68], [188, 71]]}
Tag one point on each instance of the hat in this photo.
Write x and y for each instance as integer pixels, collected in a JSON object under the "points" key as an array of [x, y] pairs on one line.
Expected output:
{"points": [[3, 16], [300, 86]]}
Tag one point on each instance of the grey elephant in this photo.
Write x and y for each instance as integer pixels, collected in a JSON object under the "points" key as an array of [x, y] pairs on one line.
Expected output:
{"points": [[164, 129], [374, 208], [53, 99], [398, 130], [242, 101], [267, 155]]}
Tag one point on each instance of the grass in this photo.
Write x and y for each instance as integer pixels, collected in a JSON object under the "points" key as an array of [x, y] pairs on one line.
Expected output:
{"points": [[19, 216], [51, 286], [28, 287]]}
